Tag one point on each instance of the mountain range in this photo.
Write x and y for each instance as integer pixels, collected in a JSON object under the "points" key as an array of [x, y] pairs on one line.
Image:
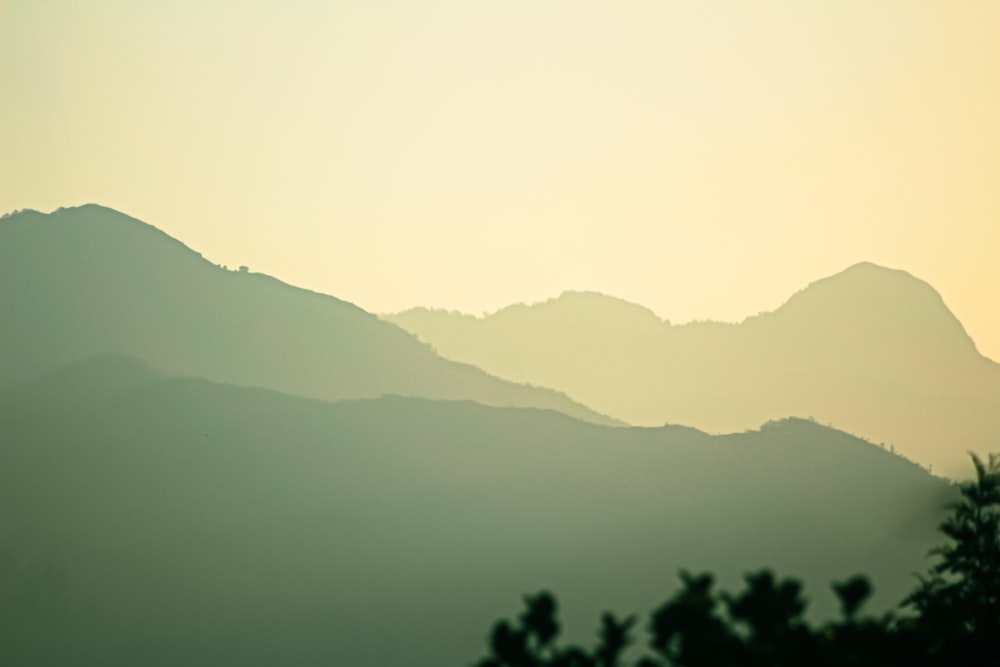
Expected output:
{"points": [[204, 466], [90, 281], [871, 350], [155, 520]]}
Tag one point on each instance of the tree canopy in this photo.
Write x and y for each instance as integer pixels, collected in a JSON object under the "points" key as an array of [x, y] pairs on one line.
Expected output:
{"points": [[951, 618]]}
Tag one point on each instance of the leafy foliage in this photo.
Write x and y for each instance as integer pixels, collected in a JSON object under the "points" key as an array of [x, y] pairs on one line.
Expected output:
{"points": [[954, 614], [959, 601]]}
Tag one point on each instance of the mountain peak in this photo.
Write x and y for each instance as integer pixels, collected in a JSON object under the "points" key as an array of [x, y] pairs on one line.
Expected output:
{"points": [[91, 227], [589, 305], [873, 280], [866, 298], [83, 212], [870, 272]]}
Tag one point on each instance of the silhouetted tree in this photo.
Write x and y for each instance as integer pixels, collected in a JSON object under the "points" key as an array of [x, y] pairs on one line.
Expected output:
{"points": [[959, 601], [530, 642], [956, 621]]}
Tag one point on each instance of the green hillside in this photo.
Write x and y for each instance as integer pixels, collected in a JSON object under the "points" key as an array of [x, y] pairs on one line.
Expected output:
{"points": [[90, 281], [166, 521]]}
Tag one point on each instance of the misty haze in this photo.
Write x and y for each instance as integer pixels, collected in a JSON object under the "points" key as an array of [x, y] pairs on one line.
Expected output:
{"points": [[561, 334]]}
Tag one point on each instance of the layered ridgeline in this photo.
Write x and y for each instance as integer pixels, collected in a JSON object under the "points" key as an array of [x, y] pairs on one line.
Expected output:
{"points": [[871, 350], [151, 521], [88, 281]]}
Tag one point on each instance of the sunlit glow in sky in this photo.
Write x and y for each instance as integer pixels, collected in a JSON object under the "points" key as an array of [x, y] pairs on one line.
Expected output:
{"points": [[703, 158]]}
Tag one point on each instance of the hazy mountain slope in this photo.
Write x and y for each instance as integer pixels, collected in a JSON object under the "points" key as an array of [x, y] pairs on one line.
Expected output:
{"points": [[177, 521], [872, 350], [91, 281]]}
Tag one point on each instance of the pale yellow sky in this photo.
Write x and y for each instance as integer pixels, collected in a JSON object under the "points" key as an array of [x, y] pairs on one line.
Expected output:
{"points": [[703, 158]]}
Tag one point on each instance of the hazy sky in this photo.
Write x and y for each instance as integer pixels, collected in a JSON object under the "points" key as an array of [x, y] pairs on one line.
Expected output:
{"points": [[705, 159]]}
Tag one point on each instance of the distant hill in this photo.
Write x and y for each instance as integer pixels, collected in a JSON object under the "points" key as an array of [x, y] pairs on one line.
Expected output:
{"points": [[91, 281], [873, 351], [165, 521]]}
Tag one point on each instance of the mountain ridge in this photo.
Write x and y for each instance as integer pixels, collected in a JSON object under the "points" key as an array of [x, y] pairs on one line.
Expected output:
{"points": [[90, 281], [267, 528], [875, 351], [610, 301]]}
